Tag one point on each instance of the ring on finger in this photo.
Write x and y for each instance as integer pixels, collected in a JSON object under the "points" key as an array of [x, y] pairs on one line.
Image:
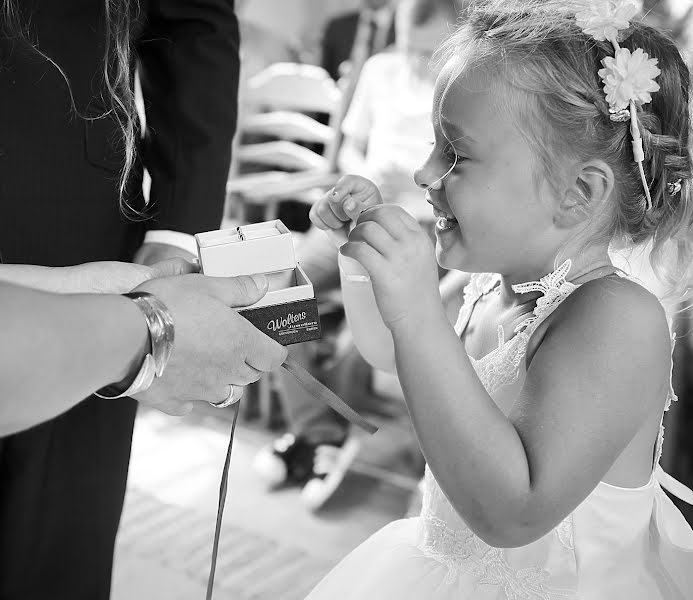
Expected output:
{"points": [[228, 401]]}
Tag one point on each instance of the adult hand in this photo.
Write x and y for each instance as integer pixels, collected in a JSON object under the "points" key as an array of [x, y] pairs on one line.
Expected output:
{"points": [[112, 277], [214, 347], [400, 259], [151, 253]]}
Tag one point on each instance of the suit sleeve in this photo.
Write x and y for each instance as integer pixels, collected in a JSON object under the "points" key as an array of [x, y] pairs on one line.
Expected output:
{"points": [[189, 66]]}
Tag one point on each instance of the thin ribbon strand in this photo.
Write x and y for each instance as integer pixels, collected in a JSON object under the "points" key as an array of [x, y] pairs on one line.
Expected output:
{"points": [[319, 391], [220, 509]]}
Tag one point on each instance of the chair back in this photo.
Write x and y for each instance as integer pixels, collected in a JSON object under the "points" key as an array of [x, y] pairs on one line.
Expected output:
{"points": [[282, 107]]}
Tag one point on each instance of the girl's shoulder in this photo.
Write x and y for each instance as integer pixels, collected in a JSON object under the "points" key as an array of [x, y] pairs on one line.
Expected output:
{"points": [[611, 314]]}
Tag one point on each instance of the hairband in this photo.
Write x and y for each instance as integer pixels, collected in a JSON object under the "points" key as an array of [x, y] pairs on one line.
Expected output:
{"points": [[629, 78]]}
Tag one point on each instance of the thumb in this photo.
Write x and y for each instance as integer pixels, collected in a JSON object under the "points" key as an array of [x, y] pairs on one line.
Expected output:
{"points": [[238, 291], [173, 266]]}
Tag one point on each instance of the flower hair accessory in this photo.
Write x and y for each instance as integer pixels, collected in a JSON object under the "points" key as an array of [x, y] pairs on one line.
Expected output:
{"points": [[629, 78]]}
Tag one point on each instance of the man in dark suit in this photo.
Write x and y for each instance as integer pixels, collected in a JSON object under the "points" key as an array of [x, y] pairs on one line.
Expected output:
{"points": [[62, 483], [340, 34]]}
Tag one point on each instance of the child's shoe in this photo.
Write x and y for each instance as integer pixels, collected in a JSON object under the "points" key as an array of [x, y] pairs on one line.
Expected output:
{"points": [[331, 464], [287, 460]]}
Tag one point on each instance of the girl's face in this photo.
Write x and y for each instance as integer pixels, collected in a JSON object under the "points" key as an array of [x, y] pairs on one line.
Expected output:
{"points": [[501, 213]]}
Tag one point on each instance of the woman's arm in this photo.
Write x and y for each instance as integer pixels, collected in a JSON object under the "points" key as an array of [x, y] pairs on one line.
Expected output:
{"points": [[48, 279], [102, 277], [55, 350]]}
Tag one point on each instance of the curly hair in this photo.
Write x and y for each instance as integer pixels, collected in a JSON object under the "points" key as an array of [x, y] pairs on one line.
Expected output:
{"points": [[536, 49], [118, 77]]}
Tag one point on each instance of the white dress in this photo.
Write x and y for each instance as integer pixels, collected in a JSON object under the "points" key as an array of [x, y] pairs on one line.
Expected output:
{"points": [[619, 543]]}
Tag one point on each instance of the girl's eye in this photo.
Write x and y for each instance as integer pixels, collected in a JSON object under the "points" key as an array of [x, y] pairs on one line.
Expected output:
{"points": [[452, 156]]}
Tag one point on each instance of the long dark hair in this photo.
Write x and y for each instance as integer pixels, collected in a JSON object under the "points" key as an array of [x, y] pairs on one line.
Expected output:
{"points": [[117, 74]]}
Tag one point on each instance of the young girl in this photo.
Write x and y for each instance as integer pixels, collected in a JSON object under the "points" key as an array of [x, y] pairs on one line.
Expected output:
{"points": [[540, 413]]}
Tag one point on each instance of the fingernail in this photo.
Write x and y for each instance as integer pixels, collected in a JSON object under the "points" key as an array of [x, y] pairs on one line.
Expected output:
{"points": [[260, 281], [349, 204]]}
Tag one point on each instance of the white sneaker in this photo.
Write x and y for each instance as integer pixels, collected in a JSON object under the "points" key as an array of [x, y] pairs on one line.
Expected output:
{"points": [[330, 466], [270, 467]]}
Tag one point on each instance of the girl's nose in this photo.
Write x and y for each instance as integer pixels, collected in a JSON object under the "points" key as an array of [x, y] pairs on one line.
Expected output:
{"points": [[424, 177]]}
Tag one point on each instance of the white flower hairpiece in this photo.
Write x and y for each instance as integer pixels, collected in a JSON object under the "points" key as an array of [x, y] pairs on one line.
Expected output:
{"points": [[629, 78], [603, 19]]}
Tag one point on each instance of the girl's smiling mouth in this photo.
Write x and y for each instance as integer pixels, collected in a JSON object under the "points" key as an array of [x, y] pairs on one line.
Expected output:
{"points": [[445, 222]]}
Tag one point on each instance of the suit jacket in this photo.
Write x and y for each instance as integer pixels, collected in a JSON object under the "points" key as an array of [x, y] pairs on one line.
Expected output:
{"points": [[59, 171], [338, 41], [62, 483]]}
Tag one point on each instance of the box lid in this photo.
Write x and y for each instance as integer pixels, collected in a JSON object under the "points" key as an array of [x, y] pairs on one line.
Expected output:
{"points": [[258, 248]]}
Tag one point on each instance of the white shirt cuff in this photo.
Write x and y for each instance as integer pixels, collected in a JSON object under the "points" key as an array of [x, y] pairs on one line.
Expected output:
{"points": [[181, 240]]}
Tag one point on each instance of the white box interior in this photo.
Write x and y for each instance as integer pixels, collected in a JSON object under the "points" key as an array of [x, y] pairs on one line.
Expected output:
{"points": [[267, 247], [286, 286]]}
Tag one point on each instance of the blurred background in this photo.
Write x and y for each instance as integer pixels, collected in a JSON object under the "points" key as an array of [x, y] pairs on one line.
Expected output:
{"points": [[327, 86]]}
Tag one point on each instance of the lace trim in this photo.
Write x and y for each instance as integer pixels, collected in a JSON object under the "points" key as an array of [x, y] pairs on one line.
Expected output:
{"points": [[564, 531], [494, 372], [462, 552], [553, 288], [479, 285], [671, 397], [501, 366]]}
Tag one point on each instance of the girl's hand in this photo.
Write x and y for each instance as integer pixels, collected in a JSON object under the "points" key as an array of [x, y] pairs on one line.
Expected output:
{"points": [[344, 202], [400, 259]]}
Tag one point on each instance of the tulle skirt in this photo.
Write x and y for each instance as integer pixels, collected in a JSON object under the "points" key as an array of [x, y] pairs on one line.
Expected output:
{"points": [[391, 565]]}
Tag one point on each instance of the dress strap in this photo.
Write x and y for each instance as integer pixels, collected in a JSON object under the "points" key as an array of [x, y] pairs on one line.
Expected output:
{"points": [[479, 285], [674, 486], [554, 288]]}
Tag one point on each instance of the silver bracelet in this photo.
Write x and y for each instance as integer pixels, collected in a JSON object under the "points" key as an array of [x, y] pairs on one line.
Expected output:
{"points": [[161, 338]]}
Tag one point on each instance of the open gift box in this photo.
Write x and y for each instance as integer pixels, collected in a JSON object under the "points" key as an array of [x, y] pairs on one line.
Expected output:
{"points": [[288, 312]]}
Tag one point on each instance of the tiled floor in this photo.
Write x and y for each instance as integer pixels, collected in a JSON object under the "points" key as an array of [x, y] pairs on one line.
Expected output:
{"points": [[271, 547]]}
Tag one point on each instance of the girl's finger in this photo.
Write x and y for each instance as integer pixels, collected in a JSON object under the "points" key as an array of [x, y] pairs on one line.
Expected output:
{"points": [[371, 260], [392, 219], [373, 234], [325, 213]]}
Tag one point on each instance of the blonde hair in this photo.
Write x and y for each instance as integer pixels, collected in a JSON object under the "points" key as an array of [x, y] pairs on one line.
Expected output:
{"points": [[118, 81], [536, 50]]}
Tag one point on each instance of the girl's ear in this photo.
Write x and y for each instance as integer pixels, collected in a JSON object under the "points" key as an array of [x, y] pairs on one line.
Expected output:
{"points": [[587, 194]]}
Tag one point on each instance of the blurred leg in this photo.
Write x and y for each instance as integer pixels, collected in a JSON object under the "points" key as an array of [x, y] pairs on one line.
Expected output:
{"points": [[306, 416]]}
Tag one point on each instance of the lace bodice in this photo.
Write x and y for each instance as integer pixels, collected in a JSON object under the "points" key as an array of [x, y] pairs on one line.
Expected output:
{"points": [[502, 365], [444, 535]]}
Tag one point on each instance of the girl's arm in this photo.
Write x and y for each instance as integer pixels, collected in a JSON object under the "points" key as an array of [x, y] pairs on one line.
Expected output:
{"points": [[332, 214], [598, 377], [599, 371]]}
